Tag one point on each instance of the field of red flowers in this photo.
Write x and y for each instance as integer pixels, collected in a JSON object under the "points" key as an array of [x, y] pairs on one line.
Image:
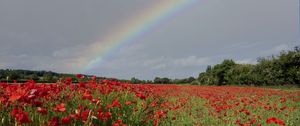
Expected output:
{"points": [[114, 103]]}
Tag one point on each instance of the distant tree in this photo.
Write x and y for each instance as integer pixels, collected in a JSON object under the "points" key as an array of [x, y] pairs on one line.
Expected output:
{"points": [[157, 80], [196, 82], [13, 75], [135, 81], [149, 81], [164, 80], [33, 77], [208, 68], [48, 77], [190, 79], [240, 74], [273, 70], [220, 70]]}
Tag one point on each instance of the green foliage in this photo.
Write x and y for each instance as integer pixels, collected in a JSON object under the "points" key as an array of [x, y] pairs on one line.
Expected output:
{"points": [[164, 80], [195, 82], [188, 80], [135, 81], [220, 71], [283, 69], [39, 76], [216, 74], [240, 74]]}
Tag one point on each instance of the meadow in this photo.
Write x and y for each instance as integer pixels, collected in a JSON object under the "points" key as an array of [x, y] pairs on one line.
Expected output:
{"points": [[108, 102]]}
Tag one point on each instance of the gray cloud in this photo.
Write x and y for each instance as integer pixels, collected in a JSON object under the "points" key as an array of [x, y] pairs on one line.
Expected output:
{"points": [[192, 61], [51, 35], [246, 61], [278, 48]]}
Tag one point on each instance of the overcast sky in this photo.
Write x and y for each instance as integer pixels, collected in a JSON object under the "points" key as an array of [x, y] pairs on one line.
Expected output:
{"points": [[48, 35]]}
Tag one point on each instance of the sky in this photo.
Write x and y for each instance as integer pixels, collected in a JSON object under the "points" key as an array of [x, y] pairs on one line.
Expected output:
{"points": [[66, 35]]}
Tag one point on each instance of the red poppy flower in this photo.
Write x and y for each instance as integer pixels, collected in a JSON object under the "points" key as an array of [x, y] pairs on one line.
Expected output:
{"points": [[79, 76], [116, 124], [238, 122], [247, 112], [119, 121], [115, 103], [43, 111], [141, 96], [60, 107], [153, 104], [85, 115], [68, 81], [94, 77], [103, 115], [66, 120], [275, 120], [128, 103], [87, 95], [15, 97], [21, 116], [54, 122]]}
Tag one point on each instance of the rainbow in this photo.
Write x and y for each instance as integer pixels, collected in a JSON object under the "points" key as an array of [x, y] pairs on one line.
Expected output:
{"points": [[131, 30]]}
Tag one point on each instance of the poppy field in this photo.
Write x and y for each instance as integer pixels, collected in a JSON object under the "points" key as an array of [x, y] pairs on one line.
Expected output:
{"points": [[108, 102]]}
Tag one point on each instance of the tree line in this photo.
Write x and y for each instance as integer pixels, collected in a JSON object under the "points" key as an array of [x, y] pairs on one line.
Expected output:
{"points": [[11, 75], [282, 69], [164, 80]]}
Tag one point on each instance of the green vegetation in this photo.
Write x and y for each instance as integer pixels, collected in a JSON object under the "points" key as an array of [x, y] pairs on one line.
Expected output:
{"points": [[283, 69], [9, 75]]}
